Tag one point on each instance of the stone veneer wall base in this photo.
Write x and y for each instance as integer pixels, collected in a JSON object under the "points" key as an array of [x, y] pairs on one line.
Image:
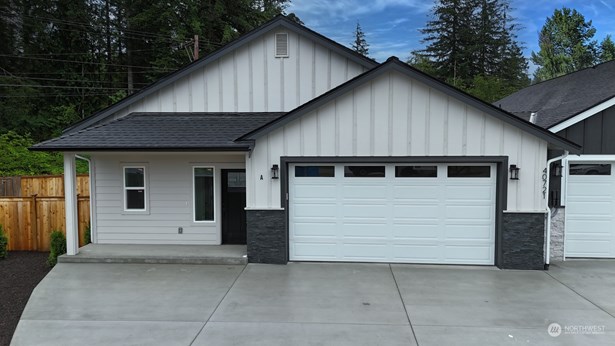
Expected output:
{"points": [[267, 238], [523, 241]]}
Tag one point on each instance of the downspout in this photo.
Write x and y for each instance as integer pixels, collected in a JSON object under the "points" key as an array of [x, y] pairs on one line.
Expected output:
{"points": [[548, 235], [91, 208]]}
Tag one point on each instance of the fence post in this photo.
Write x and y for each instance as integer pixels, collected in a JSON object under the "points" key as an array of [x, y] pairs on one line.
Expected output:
{"points": [[34, 222]]}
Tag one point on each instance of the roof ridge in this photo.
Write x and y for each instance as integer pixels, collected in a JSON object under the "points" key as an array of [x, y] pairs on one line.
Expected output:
{"points": [[593, 67]]}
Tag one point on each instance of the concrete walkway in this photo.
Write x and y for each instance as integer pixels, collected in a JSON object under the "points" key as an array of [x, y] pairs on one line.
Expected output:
{"points": [[319, 304]]}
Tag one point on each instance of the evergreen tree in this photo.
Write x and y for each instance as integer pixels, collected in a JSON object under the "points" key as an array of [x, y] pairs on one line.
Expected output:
{"points": [[607, 49], [360, 44], [566, 45], [472, 44]]}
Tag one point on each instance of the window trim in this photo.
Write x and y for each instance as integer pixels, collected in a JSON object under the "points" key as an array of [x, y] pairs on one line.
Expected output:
{"points": [[144, 188], [275, 45], [215, 186]]}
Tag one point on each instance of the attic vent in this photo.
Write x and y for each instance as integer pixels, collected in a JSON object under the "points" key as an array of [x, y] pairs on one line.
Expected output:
{"points": [[281, 45]]}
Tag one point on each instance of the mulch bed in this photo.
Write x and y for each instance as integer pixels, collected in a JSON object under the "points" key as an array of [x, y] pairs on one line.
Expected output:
{"points": [[20, 272]]}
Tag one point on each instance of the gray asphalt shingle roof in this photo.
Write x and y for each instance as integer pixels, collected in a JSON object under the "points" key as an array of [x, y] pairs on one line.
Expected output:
{"points": [[164, 131], [561, 98]]}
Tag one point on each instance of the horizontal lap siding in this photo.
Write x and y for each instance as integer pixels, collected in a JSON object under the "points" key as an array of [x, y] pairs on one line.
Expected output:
{"points": [[396, 116], [252, 79], [169, 194]]}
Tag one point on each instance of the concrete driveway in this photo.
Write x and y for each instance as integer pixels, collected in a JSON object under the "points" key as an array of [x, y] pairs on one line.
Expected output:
{"points": [[319, 304]]}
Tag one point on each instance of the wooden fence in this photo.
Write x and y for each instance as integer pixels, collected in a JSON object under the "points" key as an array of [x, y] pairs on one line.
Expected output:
{"points": [[29, 218]]}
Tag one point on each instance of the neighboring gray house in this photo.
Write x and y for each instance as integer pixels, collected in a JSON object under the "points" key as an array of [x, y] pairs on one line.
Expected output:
{"points": [[580, 107], [307, 151]]}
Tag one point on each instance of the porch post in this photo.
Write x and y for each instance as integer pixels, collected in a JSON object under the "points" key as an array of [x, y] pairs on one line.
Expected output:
{"points": [[70, 200]]}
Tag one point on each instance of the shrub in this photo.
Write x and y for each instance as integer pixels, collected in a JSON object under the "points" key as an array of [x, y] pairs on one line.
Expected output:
{"points": [[57, 247], [4, 243], [87, 236]]}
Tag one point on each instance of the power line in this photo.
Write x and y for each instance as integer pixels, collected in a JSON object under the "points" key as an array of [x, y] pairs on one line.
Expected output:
{"points": [[55, 95], [72, 80], [62, 87], [85, 62]]}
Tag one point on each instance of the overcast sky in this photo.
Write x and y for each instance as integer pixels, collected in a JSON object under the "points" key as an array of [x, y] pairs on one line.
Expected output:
{"points": [[391, 26]]}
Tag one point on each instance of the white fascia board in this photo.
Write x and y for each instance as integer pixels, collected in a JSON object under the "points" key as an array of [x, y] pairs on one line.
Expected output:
{"points": [[582, 116]]}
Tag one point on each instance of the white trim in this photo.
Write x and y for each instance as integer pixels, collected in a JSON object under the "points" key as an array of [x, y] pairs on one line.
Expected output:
{"points": [[70, 200], [263, 208], [194, 220], [582, 116], [144, 187], [275, 45]]}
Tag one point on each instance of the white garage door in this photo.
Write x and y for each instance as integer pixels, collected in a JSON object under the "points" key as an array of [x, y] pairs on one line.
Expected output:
{"points": [[590, 206], [405, 213]]}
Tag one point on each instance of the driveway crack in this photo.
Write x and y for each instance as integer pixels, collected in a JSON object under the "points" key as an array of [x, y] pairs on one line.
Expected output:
{"points": [[403, 304], [218, 305], [579, 294]]}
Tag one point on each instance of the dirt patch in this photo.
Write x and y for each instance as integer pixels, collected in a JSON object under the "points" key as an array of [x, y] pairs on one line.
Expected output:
{"points": [[19, 274]]}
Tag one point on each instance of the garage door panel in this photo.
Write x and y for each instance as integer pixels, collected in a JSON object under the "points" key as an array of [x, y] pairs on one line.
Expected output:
{"points": [[316, 210], [423, 212], [590, 225], [468, 254], [393, 219], [468, 212], [315, 229], [472, 232], [369, 230], [416, 253], [419, 231]]}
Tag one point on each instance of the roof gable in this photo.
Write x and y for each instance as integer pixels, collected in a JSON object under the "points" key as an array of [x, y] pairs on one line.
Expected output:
{"points": [[559, 99], [393, 64], [274, 24]]}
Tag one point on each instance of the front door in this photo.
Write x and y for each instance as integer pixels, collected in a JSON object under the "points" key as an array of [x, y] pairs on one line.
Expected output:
{"points": [[233, 206]]}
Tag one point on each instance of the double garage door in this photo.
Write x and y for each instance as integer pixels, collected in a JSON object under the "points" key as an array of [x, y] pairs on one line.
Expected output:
{"points": [[403, 213], [590, 206]]}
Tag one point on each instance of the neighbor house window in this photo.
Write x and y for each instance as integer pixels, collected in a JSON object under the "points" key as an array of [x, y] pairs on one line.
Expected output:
{"points": [[134, 188], [203, 194]]}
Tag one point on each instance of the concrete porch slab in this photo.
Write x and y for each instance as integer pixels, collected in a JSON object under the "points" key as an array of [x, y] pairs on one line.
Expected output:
{"points": [[159, 254]]}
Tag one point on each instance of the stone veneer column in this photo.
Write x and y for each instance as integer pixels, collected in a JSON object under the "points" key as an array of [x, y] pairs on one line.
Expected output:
{"points": [[267, 238], [557, 233], [523, 241]]}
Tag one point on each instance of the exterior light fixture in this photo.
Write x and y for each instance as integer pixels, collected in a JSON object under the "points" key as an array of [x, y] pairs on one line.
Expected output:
{"points": [[274, 172], [514, 172], [557, 170]]}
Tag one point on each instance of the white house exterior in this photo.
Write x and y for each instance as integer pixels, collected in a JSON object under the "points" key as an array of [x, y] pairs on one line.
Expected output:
{"points": [[305, 151], [580, 107]]}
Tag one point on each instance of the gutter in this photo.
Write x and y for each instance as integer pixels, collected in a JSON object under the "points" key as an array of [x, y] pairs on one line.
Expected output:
{"points": [[91, 193], [548, 235]]}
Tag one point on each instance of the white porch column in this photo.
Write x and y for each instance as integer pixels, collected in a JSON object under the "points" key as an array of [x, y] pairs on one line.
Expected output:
{"points": [[70, 200]]}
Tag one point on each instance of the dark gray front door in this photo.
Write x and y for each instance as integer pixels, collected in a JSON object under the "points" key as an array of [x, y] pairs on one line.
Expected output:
{"points": [[233, 206]]}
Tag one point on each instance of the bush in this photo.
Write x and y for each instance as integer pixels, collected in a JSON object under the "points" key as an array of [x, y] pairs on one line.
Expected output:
{"points": [[87, 236], [4, 243], [57, 247]]}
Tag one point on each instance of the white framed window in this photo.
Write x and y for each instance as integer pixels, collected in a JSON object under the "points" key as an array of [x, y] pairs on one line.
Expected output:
{"points": [[135, 188], [204, 187]]}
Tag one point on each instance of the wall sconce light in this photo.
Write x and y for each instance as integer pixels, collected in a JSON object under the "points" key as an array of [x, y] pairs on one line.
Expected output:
{"points": [[514, 172], [274, 172], [557, 170]]}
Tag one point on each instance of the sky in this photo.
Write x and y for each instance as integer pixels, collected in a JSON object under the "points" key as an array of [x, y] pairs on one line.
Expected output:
{"points": [[392, 26]]}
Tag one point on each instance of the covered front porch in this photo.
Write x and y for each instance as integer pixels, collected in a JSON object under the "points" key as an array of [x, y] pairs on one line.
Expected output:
{"points": [[159, 254]]}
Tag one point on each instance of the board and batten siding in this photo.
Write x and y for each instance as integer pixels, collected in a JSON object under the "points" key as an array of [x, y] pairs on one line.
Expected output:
{"points": [[252, 79], [595, 133], [394, 115], [169, 189]]}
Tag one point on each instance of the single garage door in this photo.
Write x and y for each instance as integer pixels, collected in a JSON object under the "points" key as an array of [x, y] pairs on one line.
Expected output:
{"points": [[404, 213], [590, 205]]}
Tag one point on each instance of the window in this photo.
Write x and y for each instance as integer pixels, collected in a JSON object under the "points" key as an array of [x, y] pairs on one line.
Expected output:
{"points": [[364, 171], [314, 171], [416, 171], [590, 169], [134, 188], [203, 194], [469, 171]]}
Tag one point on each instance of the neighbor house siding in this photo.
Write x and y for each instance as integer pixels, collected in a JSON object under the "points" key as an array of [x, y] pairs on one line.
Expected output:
{"points": [[252, 79], [594, 133], [169, 198], [396, 116]]}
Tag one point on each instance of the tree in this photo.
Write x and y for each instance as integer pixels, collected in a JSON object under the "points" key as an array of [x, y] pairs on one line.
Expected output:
{"points": [[472, 44], [360, 44], [607, 49], [566, 45]]}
